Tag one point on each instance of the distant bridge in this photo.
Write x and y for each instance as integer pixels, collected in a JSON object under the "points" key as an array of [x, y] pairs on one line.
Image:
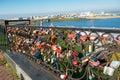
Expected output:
{"points": [[7, 22], [26, 22]]}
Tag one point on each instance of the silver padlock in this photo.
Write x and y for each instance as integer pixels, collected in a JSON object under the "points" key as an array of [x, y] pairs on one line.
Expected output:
{"points": [[53, 60], [108, 70], [115, 64]]}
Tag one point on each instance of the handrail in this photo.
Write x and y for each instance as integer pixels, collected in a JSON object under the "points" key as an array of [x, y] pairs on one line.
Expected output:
{"points": [[116, 30]]}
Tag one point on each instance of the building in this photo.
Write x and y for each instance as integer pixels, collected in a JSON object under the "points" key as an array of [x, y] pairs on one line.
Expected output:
{"points": [[91, 14]]}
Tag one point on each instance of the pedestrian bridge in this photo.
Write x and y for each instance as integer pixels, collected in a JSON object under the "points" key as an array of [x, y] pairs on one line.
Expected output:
{"points": [[68, 53]]}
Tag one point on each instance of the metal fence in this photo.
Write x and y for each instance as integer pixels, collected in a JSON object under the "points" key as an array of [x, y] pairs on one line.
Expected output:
{"points": [[3, 37], [70, 53]]}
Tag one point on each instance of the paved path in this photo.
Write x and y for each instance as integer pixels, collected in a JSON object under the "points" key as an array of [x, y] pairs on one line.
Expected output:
{"points": [[5, 74], [35, 71]]}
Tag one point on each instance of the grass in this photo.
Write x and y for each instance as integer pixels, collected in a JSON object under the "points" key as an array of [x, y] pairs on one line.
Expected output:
{"points": [[11, 70], [3, 41], [4, 62]]}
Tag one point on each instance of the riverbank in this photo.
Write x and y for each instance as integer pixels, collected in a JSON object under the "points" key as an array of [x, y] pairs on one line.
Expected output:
{"points": [[67, 19], [102, 17], [106, 22], [84, 18]]}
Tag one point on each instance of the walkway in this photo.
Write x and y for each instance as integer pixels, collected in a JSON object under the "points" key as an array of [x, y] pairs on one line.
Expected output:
{"points": [[5, 74]]}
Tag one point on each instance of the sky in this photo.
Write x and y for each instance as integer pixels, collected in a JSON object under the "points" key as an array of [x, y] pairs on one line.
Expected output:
{"points": [[11, 8]]}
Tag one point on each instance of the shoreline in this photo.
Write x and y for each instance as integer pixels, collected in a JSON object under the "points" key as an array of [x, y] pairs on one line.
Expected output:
{"points": [[84, 18], [102, 17]]}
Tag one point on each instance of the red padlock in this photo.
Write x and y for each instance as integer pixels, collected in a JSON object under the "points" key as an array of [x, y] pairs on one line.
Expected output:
{"points": [[26, 47], [39, 37], [71, 36], [53, 47], [105, 38], [96, 63], [41, 44], [58, 50], [75, 63], [63, 76], [83, 38], [74, 53]]}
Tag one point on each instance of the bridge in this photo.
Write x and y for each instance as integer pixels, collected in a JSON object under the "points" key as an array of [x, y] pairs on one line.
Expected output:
{"points": [[67, 53], [27, 22]]}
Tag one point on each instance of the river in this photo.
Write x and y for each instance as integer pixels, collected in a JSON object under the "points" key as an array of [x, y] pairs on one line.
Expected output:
{"points": [[99, 23]]}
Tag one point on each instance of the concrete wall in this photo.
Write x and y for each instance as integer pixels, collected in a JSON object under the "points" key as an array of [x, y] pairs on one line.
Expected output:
{"points": [[26, 70], [20, 72]]}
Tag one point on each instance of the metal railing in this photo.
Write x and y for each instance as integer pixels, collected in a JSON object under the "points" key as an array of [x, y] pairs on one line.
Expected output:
{"points": [[71, 53], [3, 37]]}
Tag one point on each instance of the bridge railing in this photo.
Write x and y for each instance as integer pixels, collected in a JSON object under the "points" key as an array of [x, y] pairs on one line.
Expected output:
{"points": [[71, 53], [3, 37]]}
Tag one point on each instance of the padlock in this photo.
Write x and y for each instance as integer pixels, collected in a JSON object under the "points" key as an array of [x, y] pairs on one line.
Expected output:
{"points": [[63, 76], [90, 48], [105, 39], [115, 64], [17, 29], [10, 39], [41, 44], [108, 70], [54, 47], [95, 62], [71, 36], [74, 53], [61, 56], [53, 38], [94, 59], [20, 50], [92, 38], [75, 62], [33, 48], [37, 54], [39, 41], [53, 59], [34, 32], [83, 38], [24, 51], [118, 41], [48, 60], [44, 58], [69, 54], [58, 50], [39, 37], [26, 47]]}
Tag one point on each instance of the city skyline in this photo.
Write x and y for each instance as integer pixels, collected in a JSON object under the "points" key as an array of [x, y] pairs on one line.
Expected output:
{"points": [[12, 8]]}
